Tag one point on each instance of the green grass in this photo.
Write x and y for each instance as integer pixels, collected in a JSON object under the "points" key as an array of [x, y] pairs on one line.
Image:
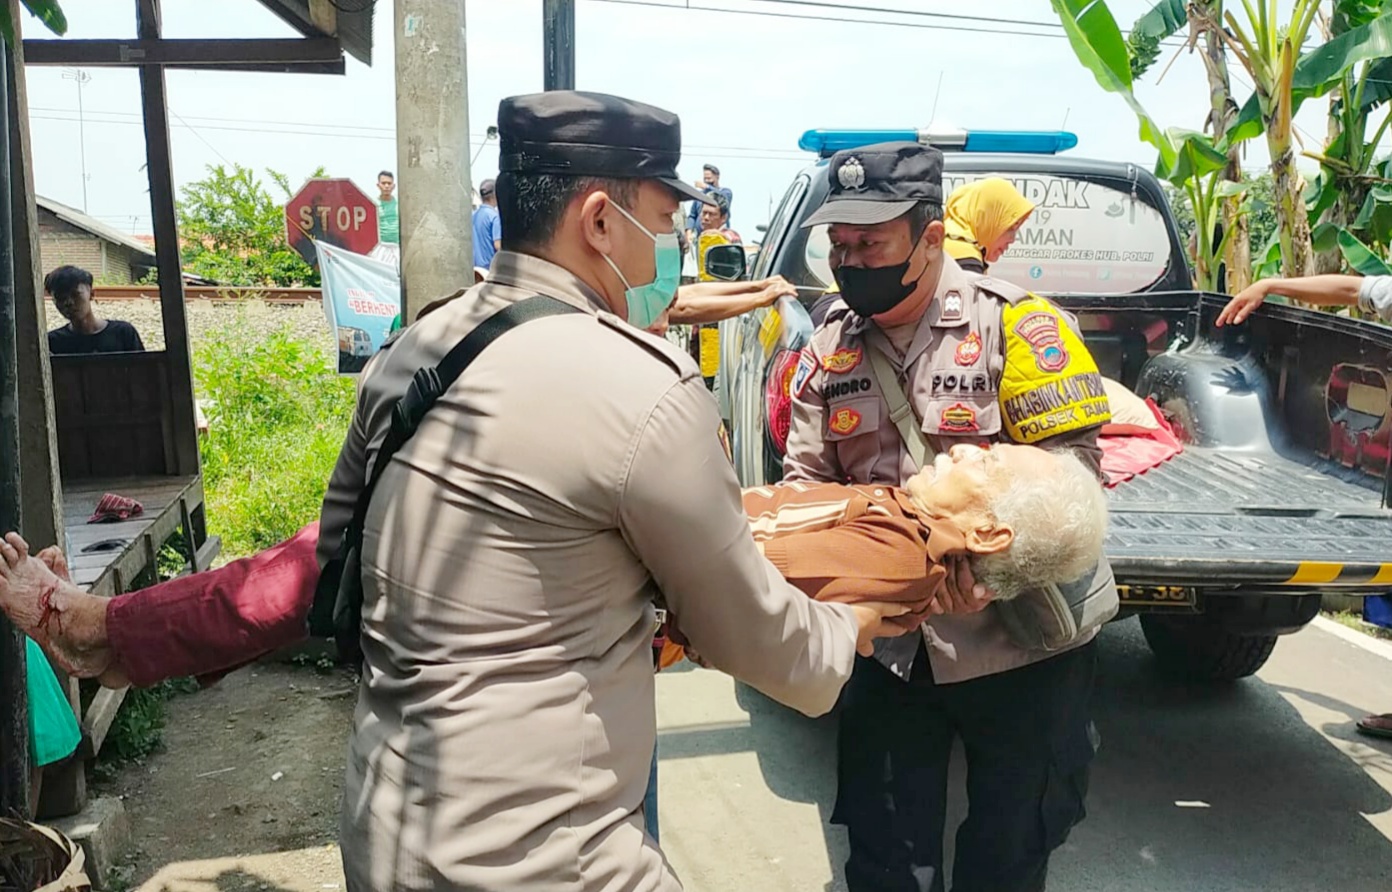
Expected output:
{"points": [[277, 418], [1358, 624]]}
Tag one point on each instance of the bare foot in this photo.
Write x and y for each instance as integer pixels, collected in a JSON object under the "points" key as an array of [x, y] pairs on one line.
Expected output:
{"points": [[68, 623]]}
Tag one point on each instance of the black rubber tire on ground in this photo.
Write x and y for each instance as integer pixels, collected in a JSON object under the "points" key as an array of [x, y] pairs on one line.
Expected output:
{"points": [[1194, 649]]}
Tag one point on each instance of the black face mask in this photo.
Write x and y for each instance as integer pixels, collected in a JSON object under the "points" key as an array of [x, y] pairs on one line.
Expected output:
{"points": [[871, 291]]}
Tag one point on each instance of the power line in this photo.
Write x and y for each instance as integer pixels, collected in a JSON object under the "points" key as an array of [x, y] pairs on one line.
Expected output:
{"points": [[1056, 27], [255, 125], [817, 18]]}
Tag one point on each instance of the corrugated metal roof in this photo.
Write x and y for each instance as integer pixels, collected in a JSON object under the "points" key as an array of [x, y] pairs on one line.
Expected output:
{"points": [[354, 31], [74, 217]]}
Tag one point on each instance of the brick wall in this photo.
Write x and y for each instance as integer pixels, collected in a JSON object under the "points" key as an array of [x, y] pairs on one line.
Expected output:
{"points": [[61, 244]]}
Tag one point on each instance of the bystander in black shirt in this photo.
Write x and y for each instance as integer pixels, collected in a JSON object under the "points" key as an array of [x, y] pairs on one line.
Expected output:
{"points": [[115, 337]]}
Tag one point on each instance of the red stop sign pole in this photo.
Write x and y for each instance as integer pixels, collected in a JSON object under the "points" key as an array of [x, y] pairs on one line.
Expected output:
{"points": [[334, 211]]}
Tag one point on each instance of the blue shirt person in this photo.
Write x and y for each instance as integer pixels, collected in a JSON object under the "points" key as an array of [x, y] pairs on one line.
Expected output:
{"points": [[488, 226], [710, 175]]}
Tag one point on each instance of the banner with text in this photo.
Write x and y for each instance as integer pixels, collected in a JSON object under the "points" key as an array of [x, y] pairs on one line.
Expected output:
{"points": [[362, 297]]}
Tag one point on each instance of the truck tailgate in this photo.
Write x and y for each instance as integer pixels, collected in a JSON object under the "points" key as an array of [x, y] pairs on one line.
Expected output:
{"points": [[1243, 518]]}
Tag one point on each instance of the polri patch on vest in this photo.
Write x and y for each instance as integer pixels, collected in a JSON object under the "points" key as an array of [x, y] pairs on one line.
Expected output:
{"points": [[842, 361], [951, 307], [1040, 330], [958, 418], [966, 382], [969, 351], [807, 364], [844, 421]]}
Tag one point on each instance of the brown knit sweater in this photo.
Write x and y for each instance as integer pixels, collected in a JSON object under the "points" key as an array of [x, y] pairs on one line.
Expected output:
{"points": [[852, 543]]}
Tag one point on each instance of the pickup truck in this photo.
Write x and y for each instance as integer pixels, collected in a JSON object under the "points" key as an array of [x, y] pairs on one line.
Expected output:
{"points": [[1280, 494]]}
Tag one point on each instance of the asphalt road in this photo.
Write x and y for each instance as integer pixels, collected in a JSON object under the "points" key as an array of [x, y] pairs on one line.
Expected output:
{"points": [[1258, 786]]}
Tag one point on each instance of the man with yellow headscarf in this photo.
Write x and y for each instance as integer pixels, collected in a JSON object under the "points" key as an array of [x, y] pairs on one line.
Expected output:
{"points": [[982, 220]]}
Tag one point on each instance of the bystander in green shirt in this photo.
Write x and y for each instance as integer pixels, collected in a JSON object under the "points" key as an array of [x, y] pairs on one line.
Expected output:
{"points": [[388, 224]]}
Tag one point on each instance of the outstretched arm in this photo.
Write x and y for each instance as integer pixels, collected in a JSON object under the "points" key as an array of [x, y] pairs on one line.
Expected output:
{"points": [[202, 624], [1329, 290], [714, 301]]}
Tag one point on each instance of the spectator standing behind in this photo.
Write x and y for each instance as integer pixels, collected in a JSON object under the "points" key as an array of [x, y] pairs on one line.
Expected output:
{"points": [[717, 219], [86, 332], [388, 215], [488, 226], [710, 184], [982, 220]]}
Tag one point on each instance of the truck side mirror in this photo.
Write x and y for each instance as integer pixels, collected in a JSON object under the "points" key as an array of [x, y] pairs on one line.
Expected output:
{"points": [[725, 263]]}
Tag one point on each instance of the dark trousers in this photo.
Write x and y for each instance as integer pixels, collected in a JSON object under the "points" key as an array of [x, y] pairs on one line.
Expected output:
{"points": [[1028, 742]]}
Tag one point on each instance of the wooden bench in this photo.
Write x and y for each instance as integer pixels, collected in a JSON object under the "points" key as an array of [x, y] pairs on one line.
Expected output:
{"points": [[113, 415]]}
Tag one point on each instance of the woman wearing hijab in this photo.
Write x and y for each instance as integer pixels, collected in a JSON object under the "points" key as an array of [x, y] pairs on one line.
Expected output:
{"points": [[982, 220]]}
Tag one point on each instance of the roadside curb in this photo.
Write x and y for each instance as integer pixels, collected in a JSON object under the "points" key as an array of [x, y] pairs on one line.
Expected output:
{"points": [[1358, 639]]}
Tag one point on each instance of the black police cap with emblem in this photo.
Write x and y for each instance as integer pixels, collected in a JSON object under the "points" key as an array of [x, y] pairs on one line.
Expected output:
{"points": [[877, 183], [572, 133]]}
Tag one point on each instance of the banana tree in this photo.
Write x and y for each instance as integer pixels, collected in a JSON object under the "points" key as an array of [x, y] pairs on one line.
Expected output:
{"points": [[1345, 199], [1270, 50], [1204, 20], [47, 11], [1188, 160], [1201, 172]]}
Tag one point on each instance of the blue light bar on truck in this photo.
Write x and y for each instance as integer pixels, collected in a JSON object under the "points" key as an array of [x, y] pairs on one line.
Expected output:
{"points": [[1029, 142]]}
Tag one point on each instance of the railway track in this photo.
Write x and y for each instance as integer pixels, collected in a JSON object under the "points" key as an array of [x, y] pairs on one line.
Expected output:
{"points": [[210, 294]]}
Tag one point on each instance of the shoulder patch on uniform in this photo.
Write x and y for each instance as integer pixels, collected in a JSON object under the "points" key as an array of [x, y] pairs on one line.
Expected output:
{"points": [[1051, 384], [843, 360], [1011, 294], [807, 364]]}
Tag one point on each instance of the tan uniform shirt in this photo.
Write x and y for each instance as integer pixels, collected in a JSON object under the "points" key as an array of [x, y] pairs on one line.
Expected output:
{"points": [[952, 372], [511, 557]]}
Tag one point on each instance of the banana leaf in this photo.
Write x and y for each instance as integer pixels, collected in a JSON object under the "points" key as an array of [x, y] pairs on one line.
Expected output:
{"points": [[1321, 70], [1377, 87], [1096, 40], [1324, 237], [1360, 257], [1165, 19], [47, 11], [1194, 156], [1267, 262]]}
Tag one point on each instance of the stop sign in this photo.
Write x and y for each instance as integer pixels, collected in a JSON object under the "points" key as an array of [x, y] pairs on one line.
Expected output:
{"points": [[332, 210]]}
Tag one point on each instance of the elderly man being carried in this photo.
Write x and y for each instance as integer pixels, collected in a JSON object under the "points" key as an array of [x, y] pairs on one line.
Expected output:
{"points": [[1022, 516]]}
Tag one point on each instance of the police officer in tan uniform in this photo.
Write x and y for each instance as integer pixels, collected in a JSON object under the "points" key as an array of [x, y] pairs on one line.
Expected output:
{"points": [[977, 360], [515, 544]]}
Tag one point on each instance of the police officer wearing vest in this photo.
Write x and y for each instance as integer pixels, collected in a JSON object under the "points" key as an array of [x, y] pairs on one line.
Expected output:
{"points": [[515, 544], [918, 355]]}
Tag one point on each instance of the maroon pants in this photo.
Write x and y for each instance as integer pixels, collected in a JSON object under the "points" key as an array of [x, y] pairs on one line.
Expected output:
{"points": [[212, 622]]}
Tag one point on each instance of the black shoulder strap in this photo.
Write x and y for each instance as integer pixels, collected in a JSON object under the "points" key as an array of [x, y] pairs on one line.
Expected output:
{"points": [[430, 383]]}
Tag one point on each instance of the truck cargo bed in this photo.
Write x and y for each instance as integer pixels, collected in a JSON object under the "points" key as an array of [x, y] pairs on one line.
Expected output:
{"points": [[1230, 517]]}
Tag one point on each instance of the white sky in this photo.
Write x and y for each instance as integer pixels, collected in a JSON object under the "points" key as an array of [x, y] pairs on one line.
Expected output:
{"points": [[745, 87]]}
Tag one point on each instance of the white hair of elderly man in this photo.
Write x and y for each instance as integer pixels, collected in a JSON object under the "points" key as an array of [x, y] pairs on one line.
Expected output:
{"points": [[1059, 521]]}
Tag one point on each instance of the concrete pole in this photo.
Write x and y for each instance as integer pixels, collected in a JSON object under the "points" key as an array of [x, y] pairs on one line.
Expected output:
{"points": [[558, 44], [432, 149]]}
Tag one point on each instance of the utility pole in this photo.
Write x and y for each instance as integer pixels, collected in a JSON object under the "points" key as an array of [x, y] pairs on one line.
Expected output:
{"points": [[82, 77], [432, 151], [14, 698], [558, 43]]}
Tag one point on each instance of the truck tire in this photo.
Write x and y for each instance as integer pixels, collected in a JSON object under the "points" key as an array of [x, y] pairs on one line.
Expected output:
{"points": [[1194, 649]]}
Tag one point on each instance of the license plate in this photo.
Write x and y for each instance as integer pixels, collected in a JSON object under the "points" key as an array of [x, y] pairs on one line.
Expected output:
{"points": [[1173, 596]]}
